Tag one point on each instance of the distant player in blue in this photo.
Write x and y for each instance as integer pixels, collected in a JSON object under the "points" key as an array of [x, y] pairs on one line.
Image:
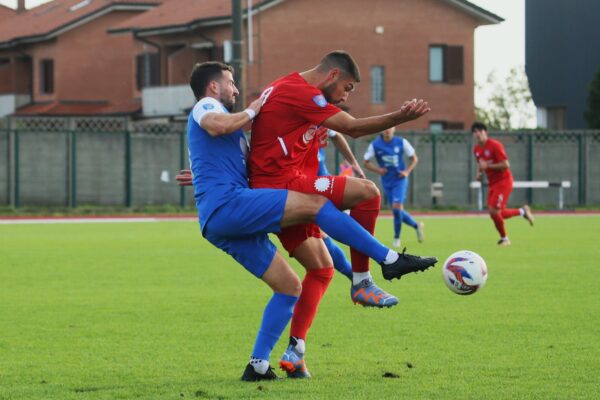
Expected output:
{"points": [[236, 219], [389, 150], [340, 261]]}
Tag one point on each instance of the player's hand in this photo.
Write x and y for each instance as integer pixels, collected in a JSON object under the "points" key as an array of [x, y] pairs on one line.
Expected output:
{"points": [[184, 178], [382, 171], [483, 165], [413, 109], [403, 174], [358, 171], [256, 105]]}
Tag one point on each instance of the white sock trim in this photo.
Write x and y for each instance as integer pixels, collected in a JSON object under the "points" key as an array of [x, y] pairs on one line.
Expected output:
{"points": [[358, 277], [259, 365], [391, 257]]}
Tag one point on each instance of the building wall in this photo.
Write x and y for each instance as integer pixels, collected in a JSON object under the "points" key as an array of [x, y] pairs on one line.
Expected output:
{"points": [[89, 64], [562, 54], [410, 26]]}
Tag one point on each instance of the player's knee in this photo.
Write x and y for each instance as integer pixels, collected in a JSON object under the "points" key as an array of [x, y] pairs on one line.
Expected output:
{"points": [[314, 203], [371, 190], [294, 287]]}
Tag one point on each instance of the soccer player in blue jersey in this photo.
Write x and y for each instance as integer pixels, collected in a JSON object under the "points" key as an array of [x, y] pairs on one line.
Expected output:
{"points": [[389, 151], [237, 219]]}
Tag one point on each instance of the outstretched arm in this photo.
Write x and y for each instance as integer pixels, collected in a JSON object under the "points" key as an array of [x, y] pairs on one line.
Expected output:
{"points": [[357, 127], [341, 144]]}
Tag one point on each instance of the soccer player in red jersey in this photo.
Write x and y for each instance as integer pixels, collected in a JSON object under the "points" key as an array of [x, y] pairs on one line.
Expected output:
{"points": [[492, 159], [284, 146]]}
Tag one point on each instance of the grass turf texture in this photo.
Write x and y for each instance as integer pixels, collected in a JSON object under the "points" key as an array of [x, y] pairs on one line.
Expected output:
{"points": [[153, 311]]}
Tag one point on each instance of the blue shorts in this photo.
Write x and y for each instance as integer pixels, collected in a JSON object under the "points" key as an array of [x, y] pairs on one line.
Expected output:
{"points": [[396, 193], [240, 226]]}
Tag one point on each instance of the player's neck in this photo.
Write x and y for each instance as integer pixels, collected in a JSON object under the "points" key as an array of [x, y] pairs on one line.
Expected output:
{"points": [[313, 77]]}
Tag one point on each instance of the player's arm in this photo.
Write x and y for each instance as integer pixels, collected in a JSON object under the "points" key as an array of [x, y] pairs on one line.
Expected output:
{"points": [[499, 166], [357, 127], [341, 144], [409, 151], [217, 124], [369, 154], [184, 178]]}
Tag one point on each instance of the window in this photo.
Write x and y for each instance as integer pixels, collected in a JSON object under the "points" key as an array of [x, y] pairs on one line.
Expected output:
{"points": [[446, 64], [377, 84], [148, 70], [437, 126], [47, 76], [557, 118]]}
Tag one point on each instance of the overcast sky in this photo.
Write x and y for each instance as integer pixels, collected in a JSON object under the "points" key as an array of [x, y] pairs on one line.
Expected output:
{"points": [[497, 47]]}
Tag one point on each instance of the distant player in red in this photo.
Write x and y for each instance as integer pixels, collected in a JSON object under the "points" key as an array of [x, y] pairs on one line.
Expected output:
{"points": [[492, 159], [285, 140]]}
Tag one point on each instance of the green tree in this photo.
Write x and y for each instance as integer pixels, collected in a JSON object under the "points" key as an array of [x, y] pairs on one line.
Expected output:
{"points": [[508, 104], [592, 113]]}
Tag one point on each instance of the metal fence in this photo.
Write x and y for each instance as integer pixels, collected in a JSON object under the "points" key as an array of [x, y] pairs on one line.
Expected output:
{"points": [[117, 162]]}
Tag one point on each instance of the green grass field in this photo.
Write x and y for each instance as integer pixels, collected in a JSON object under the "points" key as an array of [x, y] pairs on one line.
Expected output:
{"points": [[152, 311]]}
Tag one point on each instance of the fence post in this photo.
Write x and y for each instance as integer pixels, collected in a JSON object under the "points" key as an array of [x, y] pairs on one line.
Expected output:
{"points": [[530, 142], [17, 192], [182, 134], [127, 168], [73, 169], [469, 169], [433, 163], [582, 167]]}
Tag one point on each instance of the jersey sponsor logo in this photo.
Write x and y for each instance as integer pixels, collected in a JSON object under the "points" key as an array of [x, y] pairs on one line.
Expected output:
{"points": [[487, 153], [310, 134], [322, 184], [208, 106], [396, 149], [320, 100]]}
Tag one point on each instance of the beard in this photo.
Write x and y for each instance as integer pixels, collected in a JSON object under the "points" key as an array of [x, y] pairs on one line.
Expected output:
{"points": [[228, 103], [327, 90]]}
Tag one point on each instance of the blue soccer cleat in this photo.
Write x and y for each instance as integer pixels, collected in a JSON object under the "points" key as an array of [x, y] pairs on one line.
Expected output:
{"points": [[292, 362], [368, 294]]}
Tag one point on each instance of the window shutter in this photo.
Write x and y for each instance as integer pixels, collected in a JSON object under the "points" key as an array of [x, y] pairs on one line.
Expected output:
{"points": [[455, 126], [154, 59], [453, 66], [139, 66]]}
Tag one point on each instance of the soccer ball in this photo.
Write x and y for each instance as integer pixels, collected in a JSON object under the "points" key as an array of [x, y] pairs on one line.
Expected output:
{"points": [[465, 272]]}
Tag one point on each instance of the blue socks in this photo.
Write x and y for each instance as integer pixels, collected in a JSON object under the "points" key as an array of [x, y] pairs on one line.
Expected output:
{"points": [[276, 316], [340, 262], [408, 219], [397, 222], [345, 229]]}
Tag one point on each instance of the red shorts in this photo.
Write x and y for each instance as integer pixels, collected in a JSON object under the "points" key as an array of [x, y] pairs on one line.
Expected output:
{"points": [[499, 193], [331, 187]]}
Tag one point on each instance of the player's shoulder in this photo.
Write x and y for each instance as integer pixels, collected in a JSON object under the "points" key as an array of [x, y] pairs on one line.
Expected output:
{"points": [[208, 104]]}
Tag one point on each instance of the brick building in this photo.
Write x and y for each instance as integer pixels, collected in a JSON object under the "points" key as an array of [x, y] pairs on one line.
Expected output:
{"points": [[103, 57]]}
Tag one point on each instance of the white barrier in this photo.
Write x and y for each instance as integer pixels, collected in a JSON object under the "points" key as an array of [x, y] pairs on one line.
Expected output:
{"points": [[526, 185]]}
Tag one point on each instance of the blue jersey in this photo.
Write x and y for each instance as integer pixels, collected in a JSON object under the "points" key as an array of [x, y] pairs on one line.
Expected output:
{"points": [[390, 155], [218, 163], [322, 157]]}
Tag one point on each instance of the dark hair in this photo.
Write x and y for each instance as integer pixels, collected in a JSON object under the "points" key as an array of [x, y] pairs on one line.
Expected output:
{"points": [[478, 126], [204, 73], [342, 60]]}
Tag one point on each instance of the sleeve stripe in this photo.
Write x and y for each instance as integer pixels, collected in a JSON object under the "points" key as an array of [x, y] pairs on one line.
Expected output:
{"points": [[283, 147]]}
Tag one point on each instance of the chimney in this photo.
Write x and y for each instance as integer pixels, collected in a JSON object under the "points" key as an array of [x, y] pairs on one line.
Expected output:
{"points": [[20, 6]]}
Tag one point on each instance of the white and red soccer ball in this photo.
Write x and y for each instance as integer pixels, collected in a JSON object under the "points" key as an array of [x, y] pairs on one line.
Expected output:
{"points": [[465, 272]]}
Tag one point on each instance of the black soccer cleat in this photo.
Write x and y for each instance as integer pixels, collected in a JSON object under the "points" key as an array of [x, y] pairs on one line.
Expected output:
{"points": [[250, 375], [405, 264]]}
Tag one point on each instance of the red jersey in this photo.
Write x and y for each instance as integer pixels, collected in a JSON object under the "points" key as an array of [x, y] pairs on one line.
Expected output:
{"points": [[285, 134], [493, 152]]}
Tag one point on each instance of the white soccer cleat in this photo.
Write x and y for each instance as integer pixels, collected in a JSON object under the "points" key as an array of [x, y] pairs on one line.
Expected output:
{"points": [[420, 232], [528, 215], [396, 242], [504, 242]]}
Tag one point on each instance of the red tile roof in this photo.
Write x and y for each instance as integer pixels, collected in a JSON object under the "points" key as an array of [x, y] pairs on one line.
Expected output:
{"points": [[79, 108], [185, 14], [50, 19]]}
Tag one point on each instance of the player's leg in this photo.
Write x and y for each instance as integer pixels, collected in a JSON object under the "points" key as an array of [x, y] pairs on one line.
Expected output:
{"points": [[313, 255], [259, 256], [340, 261], [300, 207], [494, 203], [400, 194]]}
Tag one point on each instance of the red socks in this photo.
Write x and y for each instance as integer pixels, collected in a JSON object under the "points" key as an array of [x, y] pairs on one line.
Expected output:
{"points": [[499, 222], [510, 212], [314, 286], [365, 214]]}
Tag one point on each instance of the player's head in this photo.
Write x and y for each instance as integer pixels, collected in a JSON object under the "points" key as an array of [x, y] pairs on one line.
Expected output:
{"points": [[479, 131], [214, 79], [341, 76], [388, 134]]}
